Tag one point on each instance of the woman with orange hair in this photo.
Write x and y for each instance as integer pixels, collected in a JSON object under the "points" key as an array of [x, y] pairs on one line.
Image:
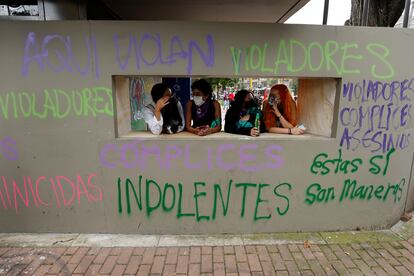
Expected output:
{"points": [[279, 111]]}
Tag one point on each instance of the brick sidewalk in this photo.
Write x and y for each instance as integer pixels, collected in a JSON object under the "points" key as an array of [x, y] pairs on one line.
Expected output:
{"points": [[386, 258]]}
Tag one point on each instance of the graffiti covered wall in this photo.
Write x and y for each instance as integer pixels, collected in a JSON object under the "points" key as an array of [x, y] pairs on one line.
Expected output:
{"points": [[63, 168]]}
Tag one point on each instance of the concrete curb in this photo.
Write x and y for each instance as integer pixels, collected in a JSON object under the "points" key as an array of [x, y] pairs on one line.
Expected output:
{"points": [[400, 231]]}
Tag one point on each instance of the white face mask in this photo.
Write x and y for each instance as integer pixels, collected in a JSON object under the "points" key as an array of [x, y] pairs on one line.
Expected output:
{"points": [[198, 100]]}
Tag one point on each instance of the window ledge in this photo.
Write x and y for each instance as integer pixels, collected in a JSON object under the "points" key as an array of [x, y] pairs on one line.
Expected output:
{"points": [[145, 135]]}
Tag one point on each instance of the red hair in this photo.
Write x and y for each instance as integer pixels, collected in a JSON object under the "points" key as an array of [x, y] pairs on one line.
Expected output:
{"points": [[287, 102]]}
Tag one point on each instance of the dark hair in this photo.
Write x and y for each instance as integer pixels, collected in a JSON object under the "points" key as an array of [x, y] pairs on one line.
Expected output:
{"points": [[158, 90], [170, 112], [239, 98], [203, 86]]}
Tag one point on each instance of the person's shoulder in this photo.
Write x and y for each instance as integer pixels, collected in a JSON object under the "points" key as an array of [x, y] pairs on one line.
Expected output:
{"points": [[216, 103]]}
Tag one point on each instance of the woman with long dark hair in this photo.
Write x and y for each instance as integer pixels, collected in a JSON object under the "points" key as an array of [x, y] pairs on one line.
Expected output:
{"points": [[203, 114], [244, 115], [165, 115]]}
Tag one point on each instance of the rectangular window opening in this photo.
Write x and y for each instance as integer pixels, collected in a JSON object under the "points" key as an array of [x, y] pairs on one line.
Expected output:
{"points": [[315, 101]]}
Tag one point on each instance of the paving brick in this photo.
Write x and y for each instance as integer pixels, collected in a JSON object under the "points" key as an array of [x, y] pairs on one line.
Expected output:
{"points": [[379, 271], [407, 254], [148, 256], [206, 263], [349, 251], [108, 265], [240, 253], [354, 272], [395, 253], [228, 250], [169, 269], [372, 252], [403, 271], [408, 246], [407, 264], [250, 249], [158, 265], [100, 258], [268, 269], [263, 254], [115, 251], [161, 251], [363, 267], [254, 262], [339, 267], [144, 270], [306, 273], [93, 269], [218, 254], [307, 253], [138, 251], [230, 263], [172, 255], [243, 269], [316, 267], [293, 248], [207, 250], [182, 264], [219, 269], [272, 248], [194, 269], [84, 264], [184, 251], [386, 266], [292, 268], [285, 253], [277, 261], [42, 270], [94, 251], [282, 273], [80, 253], [71, 250], [345, 259], [387, 256], [300, 261], [195, 255], [367, 258], [133, 265], [125, 256], [118, 270]]}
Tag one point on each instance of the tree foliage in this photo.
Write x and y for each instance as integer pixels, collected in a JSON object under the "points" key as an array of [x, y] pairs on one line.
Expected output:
{"points": [[381, 13]]}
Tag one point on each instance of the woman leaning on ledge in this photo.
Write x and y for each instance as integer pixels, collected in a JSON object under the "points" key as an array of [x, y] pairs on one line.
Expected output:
{"points": [[279, 111], [165, 115], [244, 116], [203, 114]]}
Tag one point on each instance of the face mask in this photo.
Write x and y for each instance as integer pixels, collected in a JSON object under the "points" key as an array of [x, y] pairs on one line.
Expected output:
{"points": [[198, 100]]}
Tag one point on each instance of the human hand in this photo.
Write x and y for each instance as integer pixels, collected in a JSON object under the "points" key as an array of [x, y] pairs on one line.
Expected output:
{"points": [[276, 111], [161, 103], [254, 132], [297, 131], [203, 130]]}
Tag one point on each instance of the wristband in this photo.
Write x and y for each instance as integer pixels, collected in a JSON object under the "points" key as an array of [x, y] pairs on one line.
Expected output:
{"points": [[290, 131]]}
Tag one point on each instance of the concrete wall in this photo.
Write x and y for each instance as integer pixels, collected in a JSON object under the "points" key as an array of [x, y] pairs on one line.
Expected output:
{"points": [[62, 168]]}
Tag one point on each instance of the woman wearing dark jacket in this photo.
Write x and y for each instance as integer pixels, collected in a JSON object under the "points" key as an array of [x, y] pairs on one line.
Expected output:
{"points": [[244, 115]]}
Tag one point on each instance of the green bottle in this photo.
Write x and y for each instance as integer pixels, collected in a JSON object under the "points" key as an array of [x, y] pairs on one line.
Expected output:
{"points": [[257, 121]]}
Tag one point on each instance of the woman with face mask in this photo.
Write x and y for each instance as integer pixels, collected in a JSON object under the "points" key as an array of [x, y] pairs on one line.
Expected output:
{"points": [[203, 114], [165, 115], [244, 116], [279, 111]]}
